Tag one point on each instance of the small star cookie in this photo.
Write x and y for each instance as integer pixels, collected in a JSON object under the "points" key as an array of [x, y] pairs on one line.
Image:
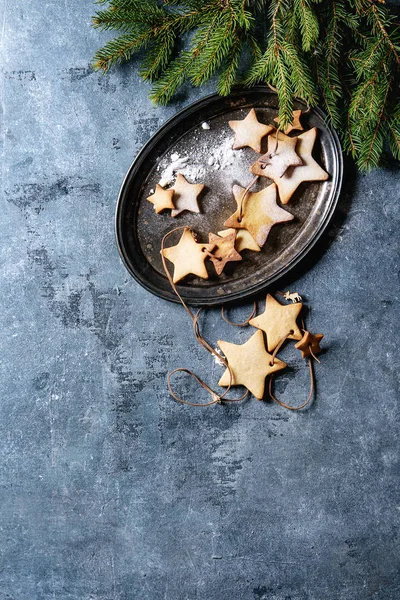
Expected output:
{"points": [[186, 195], [278, 320], [274, 164], [249, 132], [309, 343], [188, 256], [162, 199], [295, 124], [259, 212], [244, 239], [250, 364], [294, 176], [224, 250]]}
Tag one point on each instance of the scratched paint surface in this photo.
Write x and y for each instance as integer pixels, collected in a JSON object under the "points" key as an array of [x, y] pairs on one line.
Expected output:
{"points": [[109, 489]]}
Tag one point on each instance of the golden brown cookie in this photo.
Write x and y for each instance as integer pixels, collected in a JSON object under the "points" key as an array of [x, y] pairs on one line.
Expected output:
{"points": [[162, 199], [309, 343], [249, 132], [224, 250], [279, 158], [244, 239], [250, 364], [186, 194], [295, 124], [294, 176], [259, 212], [188, 257], [277, 321]]}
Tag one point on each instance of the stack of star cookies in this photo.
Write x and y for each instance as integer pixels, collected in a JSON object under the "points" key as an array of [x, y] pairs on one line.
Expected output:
{"points": [[250, 363]]}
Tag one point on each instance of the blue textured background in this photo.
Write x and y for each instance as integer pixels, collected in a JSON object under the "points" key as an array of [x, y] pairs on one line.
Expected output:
{"points": [[109, 489]]}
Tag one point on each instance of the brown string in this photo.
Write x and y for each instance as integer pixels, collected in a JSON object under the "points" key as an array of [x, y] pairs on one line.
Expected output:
{"points": [[246, 191], [309, 395], [264, 163], [278, 347], [211, 254], [246, 322], [312, 384], [215, 398]]}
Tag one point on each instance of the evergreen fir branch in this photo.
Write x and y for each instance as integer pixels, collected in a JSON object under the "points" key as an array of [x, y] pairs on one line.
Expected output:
{"points": [[228, 74], [121, 49], [370, 134], [345, 53], [300, 74], [393, 131], [309, 26], [158, 56], [281, 81], [212, 49], [167, 85], [381, 22]]}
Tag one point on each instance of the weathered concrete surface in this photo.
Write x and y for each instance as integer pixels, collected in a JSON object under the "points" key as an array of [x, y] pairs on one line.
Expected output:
{"points": [[109, 489]]}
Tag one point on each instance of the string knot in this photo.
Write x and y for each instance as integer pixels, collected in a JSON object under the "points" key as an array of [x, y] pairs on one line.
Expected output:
{"points": [[217, 399]]}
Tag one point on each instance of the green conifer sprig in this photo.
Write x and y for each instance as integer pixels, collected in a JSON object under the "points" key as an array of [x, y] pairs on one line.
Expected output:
{"points": [[341, 54]]}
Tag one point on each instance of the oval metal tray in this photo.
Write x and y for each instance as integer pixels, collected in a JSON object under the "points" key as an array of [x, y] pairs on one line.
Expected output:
{"points": [[139, 229]]}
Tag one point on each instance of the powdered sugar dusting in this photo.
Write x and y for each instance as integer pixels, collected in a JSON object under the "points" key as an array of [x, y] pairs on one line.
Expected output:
{"points": [[206, 157]]}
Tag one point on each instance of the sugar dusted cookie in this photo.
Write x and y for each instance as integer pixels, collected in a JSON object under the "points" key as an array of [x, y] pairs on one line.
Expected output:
{"points": [[188, 257], [162, 199], [279, 158], [294, 176], [250, 364], [277, 321], [244, 240], [295, 124], [224, 250], [249, 132], [259, 212], [186, 194]]}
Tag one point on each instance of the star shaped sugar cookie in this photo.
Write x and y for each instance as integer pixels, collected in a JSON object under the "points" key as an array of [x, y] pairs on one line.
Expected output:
{"points": [[294, 176], [309, 343], [244, 240], [278, 320], [249, 132], [186, 195], [162, 199], [259, 212], [295, 124], [188, 257], [274, 164], [224, 250], [250, 364]]}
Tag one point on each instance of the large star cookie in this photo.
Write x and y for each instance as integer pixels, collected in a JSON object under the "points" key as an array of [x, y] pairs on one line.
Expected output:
{"points": [[294, 176], [295, 124], [224, 250], [277, 321], [278, 158], [259, 212], [309, 343], [186, 195], [244, 240], [188, 257], [249, 132], [162, 199], [250, 363]]}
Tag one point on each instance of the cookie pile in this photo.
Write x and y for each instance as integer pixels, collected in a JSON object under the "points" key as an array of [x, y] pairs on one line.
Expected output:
{"points": [[251, 363], [287, 163]]}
